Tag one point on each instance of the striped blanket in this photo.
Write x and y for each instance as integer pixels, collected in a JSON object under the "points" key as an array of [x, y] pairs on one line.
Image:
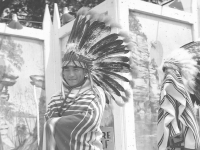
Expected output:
{"points": [[73, 122], [176, 115]]}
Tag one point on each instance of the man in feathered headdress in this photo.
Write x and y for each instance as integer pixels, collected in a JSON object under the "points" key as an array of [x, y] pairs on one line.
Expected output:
{"points": [[91, 67], [177, 124]]}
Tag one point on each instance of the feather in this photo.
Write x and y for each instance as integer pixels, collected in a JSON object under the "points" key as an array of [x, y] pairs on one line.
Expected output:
{"points": [[194, 99], [131, 46], [115, 59], [125, 35], [186, 46], [191, 45], [95, 32], [115, 25], [197, 88], [115, 52], [109, 85], [113, 82], [106, 85], [83, 39], [127, 93], [107, 20], [109, 49], [132, 84], [125, 99], [103, 41], [83, 11], [82, 26], [118, 102], [113, 66], [114, 75], [110, 91], [72, 34]]}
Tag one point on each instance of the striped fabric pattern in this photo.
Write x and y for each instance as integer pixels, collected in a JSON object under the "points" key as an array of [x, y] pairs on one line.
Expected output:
{"points": [[75, 124], [175, 99]]}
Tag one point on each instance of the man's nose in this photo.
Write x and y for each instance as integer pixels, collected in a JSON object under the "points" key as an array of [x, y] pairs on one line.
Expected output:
{"points": [[71, 73]]}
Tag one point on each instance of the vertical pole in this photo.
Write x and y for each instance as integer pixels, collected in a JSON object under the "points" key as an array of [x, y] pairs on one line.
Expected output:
{"points": [[48, 55], [57, 47], [128, 109], [194, 12], [124, 117], [119, 129], [198, 18], [48, 62]]}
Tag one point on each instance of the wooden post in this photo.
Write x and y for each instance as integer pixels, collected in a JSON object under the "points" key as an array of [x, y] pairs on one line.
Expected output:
{"points": [[124, 122], [198, 18], [128, 109], [195, 17], [57, 47], [48, 56]]}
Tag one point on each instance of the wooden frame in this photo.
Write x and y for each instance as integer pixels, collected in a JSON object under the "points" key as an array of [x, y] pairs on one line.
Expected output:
{"points": [[52, 34], [119, 11]]}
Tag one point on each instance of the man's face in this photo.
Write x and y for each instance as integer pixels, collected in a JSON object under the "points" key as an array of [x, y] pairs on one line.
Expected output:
{"points": [[73, 75]]}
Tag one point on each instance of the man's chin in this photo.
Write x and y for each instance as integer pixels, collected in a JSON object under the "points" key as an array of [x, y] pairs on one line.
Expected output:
{"points": [[73, 83]]}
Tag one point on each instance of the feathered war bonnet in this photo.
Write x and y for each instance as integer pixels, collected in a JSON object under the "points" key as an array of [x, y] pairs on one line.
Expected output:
{"points": [[186, 61], [104, 54]]}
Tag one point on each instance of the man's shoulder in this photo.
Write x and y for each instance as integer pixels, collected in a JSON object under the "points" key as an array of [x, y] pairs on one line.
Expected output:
{"points": [[56, 97]]}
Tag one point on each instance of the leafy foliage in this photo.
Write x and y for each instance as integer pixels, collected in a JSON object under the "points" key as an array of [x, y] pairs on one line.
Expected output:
{"points": [[12, 51], [30, 12], [147, 74]]}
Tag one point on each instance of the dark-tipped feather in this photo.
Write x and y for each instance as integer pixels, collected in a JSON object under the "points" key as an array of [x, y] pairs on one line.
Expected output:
{"points": [[95, 33], [83, 39], [113, 66], [114, 83], [125, 35], [114, 75], [107, 84], [72, 34], [108, 88], [103, 41], [190, 45], [132, 84], [194, 99], [114, 52], [115, 59], [108, 47], [111, 87], [81, 29]]}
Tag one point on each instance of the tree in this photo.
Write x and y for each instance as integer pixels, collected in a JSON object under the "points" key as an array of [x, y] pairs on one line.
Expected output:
{"points": [[30, 12], [4, 4], [11, 51]]}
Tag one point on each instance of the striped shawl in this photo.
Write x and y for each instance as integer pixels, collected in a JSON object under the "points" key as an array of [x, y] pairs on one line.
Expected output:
{"points": [[176, 114], [73, 119]]}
